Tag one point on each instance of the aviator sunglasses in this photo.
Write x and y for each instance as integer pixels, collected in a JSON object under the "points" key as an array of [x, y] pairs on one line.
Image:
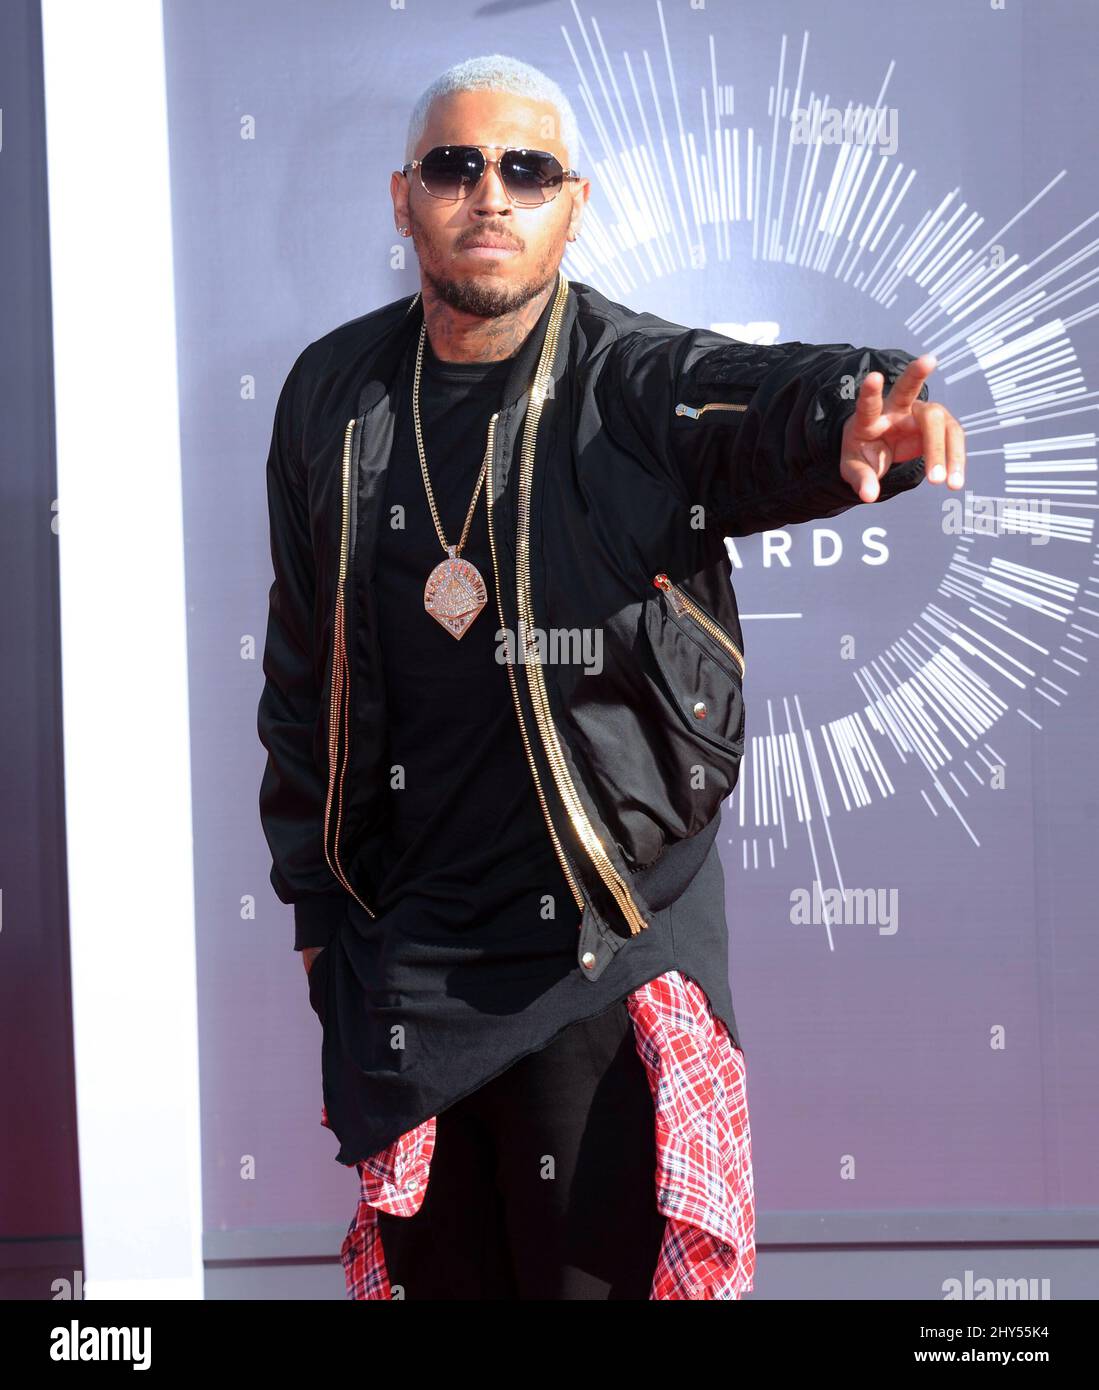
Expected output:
{"points": [[530, 177]]}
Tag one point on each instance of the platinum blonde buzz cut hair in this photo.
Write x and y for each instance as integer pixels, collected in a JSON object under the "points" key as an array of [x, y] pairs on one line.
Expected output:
{"points": [[496, 72]]}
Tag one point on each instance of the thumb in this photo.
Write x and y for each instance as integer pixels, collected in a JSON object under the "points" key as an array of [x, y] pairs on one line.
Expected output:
{"points": [[863, 464], [876, 453]]}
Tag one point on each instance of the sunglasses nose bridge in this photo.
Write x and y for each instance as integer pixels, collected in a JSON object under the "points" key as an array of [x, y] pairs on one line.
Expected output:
{"points": [[501, 191]]}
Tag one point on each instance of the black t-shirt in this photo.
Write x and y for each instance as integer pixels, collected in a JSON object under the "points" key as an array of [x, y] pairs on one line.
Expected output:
{"points": [[468, 863]]}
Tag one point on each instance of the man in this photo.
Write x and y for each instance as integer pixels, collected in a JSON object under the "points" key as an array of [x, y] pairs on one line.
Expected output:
{"points": [[500, 728]]}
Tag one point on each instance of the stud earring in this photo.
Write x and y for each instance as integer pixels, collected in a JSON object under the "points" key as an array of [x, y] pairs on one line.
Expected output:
{"points": [[403, 231]]}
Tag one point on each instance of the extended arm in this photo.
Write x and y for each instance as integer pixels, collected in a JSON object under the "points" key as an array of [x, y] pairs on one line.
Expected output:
{"points": [[769, 449]]}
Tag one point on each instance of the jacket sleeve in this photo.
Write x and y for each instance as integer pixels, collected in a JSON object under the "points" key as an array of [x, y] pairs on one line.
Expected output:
{"points": [[294, 786], [770, 465]]}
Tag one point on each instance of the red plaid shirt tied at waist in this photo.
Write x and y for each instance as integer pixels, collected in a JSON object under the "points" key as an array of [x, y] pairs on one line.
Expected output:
{"points": [[704, 1184]]}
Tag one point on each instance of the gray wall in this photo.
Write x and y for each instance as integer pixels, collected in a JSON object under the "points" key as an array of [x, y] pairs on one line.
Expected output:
{"points": [[39, 1187]]}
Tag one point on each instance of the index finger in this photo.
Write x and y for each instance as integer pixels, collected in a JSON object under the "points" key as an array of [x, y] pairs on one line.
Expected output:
{"points": [[868, 403], [908, 385]]}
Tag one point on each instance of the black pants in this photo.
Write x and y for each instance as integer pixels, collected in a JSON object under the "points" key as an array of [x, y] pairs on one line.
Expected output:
{"points": [[542, 1182]]}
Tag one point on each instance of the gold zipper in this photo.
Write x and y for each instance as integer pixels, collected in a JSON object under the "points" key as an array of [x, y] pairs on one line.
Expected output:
{"points": [[682, 602], [535, 678], [340, 695], [339, 702], [694, 411], [576, 893]]}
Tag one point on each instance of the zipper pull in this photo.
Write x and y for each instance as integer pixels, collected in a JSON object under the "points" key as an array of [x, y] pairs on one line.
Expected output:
{"points": [[661, 581], [693, 412]]}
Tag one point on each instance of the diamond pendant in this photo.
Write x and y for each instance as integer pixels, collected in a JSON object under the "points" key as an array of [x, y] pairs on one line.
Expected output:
{"points": [[454, 593]]}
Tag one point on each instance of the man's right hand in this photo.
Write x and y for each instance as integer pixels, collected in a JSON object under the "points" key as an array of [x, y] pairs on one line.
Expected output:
{"points": [[309, 955]]}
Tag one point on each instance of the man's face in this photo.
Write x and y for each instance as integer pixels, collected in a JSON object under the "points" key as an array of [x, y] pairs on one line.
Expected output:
{"points": [[481, 281]]}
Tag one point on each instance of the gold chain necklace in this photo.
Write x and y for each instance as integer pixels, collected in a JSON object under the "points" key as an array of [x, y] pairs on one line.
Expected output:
{"points": [[455, 591]]}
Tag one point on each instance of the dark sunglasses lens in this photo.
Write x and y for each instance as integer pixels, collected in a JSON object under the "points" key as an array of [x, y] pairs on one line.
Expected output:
{"points": [[531, 176], [452, 171]]}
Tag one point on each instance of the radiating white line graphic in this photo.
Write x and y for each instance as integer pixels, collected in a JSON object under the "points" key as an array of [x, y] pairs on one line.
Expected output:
{"points": [[687, 179]]}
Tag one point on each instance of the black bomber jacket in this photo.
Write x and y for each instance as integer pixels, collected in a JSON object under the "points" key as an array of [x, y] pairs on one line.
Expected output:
{"points": [[626, 449]]}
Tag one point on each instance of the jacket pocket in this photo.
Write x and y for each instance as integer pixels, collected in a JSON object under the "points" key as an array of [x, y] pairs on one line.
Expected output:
{"points": [[741, 400], [699, 743], [701, 665], [681, 604]]}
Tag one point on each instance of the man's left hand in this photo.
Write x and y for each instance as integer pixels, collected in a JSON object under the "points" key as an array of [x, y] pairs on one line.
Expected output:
{"points": [[898, 427]]}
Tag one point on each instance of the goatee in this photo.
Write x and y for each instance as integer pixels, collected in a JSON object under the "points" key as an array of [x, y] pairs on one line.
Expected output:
{"points": [[483, 297]]}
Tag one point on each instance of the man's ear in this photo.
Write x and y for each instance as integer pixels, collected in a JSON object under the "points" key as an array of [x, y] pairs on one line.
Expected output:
{"points": [[398, 192]]}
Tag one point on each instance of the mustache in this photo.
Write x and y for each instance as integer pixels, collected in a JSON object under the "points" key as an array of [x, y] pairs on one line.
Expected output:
{"points": [[475, 234]]}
